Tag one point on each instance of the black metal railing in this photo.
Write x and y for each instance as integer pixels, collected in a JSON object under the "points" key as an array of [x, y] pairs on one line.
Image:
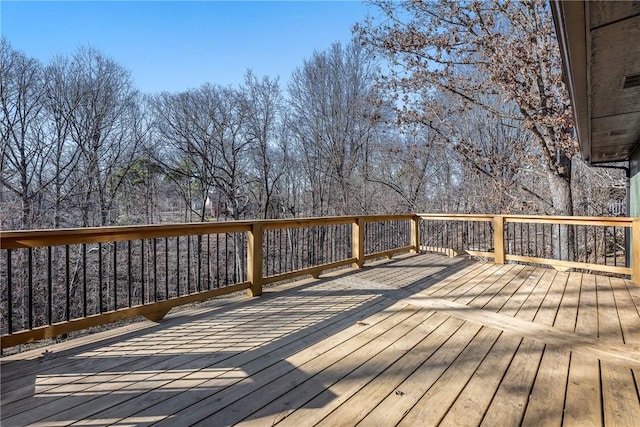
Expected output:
{"points": [[51, 284], [296, 248], [385, 235], [583, 243], [605, 245], [473, 237]]}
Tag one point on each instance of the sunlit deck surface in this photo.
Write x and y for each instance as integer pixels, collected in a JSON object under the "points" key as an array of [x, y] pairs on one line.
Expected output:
{"points": [[419, 340]]}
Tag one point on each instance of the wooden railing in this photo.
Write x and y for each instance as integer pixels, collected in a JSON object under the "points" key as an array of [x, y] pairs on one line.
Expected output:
{"points": [[54, 282], [586, 243]]}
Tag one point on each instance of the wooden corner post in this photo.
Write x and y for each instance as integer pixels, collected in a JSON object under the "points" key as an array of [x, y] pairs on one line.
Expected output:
{"points": [[415, 234], [635, 251], [357, 242], [254, 259], [498, 238]]}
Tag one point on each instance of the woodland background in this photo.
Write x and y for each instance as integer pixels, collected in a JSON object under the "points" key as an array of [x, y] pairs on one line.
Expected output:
{"points": [[455, 107]]}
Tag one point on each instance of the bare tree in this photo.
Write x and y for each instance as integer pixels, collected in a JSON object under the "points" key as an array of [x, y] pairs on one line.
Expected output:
{"points": [[408, 165], [24, 153], [108, 127], [206, 140], [60, 100], [334, 114], [269, 148], [503, 52]]}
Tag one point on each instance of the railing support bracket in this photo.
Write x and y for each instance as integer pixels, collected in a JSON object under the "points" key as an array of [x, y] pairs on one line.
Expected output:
{"points": [[157, 316]]}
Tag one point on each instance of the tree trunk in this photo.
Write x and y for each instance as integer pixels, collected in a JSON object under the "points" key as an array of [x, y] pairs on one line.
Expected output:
{"points": [[560, 188], [562, 235]]}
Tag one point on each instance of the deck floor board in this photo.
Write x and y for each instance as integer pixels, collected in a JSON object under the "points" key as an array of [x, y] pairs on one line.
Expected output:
{"points": [[417, 340]]}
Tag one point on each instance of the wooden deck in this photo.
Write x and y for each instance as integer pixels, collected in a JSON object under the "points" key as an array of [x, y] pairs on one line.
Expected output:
{"points": [[420, 340]]}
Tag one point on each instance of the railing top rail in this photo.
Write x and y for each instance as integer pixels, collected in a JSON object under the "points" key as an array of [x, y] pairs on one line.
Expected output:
{"points": [[577, 220], [69, 236], [38, 238], [450, 217], [305, 222]]}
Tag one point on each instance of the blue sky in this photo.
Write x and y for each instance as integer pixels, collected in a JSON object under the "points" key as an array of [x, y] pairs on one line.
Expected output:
{"points": [[177, 45]]}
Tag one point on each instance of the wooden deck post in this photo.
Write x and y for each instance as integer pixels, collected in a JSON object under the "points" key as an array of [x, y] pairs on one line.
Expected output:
{"points": [[357, 242], [254, 259], [415, 234], [498, 238], [635, 251]]}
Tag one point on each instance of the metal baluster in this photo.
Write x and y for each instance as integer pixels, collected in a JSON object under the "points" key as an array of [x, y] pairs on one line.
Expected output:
{"points": [[521, 238], [217, 260], [384, 225], [604, 243], [484, 235], [449, 236], [625, 236], [297, 247], [329, 242], [308, 240], [226, 259], [142, 275], [569, 233], [314, 246], [178, 266], [337, 236], [199, 259], [265, 256], [67, 270], [235, 266], [275, 254], [559, 243], [473, 236], [393, 228], [49, 287], [387, 227], [455, 239], [166, 268], [155, 270], [188, 278], [30, 288], [615, 246], [280, 254], [100, 278], [84, 279], [209, 261], [115, 276], [129, 278], [9, 292], [305, 237], [595, 245]]}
